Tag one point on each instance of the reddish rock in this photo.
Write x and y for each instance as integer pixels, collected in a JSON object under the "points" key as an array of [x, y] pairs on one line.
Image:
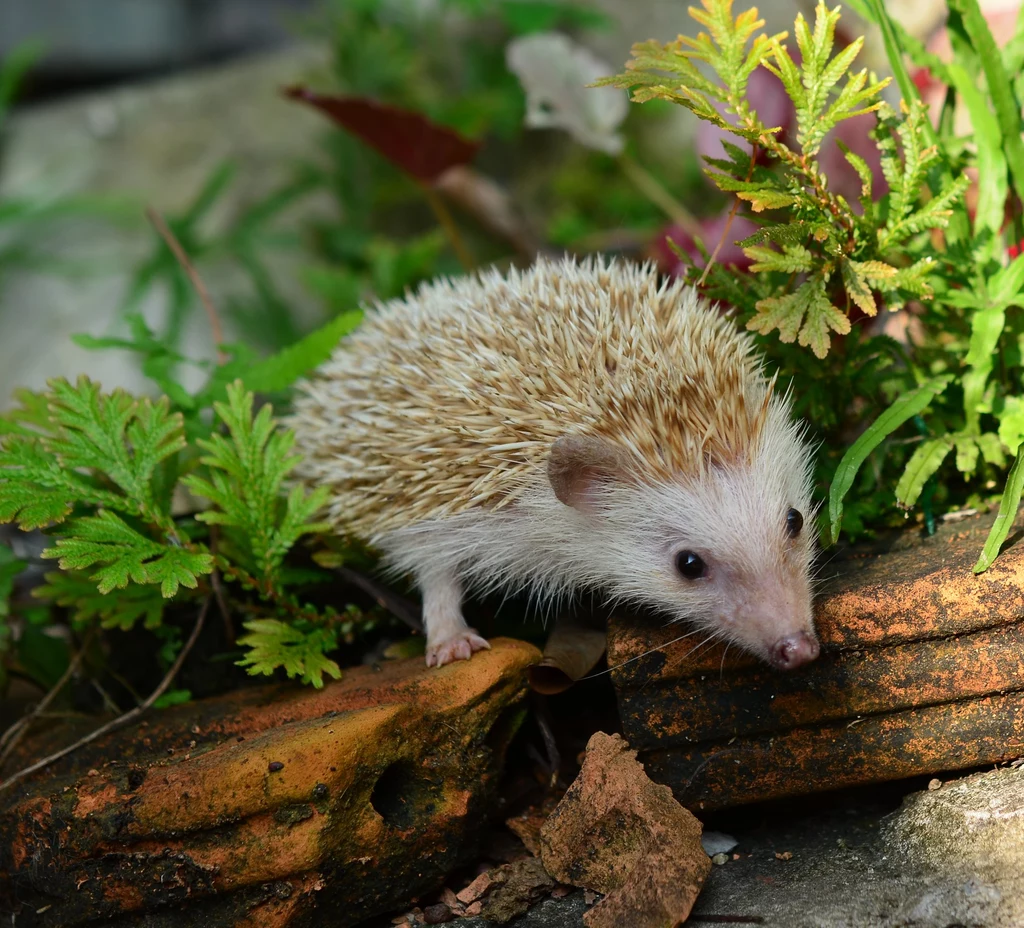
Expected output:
{"points": [[288, 801]]}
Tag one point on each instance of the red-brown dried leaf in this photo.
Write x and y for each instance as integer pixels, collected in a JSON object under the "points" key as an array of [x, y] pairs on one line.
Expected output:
{"points": [[618, 833], [421, 148]]}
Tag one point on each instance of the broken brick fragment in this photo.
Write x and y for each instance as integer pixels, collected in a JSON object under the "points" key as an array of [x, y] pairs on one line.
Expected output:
{"points": [[352, 799]]}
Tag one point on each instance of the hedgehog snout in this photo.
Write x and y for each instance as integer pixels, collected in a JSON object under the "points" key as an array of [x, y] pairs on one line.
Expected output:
{"points": [[794, 650]]}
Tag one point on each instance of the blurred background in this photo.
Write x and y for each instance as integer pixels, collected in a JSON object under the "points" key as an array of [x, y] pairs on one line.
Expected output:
{"points": [[111, 106], [92, 43]]}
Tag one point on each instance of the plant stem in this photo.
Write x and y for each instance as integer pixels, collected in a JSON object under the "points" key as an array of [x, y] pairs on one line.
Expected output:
{"points": [[121, 720], [17, 731], [164, 231], [655, 191], [445, 220], [728, 221]]}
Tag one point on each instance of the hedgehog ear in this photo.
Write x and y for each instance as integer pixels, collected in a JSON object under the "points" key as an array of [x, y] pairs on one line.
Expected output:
{"points": [[579, 466]]}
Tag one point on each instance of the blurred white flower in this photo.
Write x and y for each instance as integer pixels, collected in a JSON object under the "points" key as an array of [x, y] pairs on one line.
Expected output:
{"points": [[554, 72]]}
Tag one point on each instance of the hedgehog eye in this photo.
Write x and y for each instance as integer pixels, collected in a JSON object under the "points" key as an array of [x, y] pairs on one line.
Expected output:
{"points": [[690, 565], [794, 522]]}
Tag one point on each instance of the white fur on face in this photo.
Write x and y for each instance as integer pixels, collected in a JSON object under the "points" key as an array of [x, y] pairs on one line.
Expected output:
{"points": [[757, 589]]}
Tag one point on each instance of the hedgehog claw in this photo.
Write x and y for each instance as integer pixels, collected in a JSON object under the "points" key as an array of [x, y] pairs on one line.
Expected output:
{"points": [[459, 647]]}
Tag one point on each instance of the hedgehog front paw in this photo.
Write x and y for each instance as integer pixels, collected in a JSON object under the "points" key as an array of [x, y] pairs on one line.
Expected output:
{"points": [[459, 647]]}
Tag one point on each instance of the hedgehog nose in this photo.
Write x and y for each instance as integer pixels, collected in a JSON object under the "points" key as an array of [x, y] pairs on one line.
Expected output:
{"points": [[794, 650]]}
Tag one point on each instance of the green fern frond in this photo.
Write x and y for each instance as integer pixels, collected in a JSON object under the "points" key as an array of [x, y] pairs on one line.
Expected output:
{"points": [[247, 470], [90, 449], [300, 653], [122, 555], [77, 592], [806, 315]]}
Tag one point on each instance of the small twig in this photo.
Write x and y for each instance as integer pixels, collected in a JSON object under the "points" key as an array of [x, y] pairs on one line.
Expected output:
{"points": [[222, 605], [106, 697], [121, 720], [17, 731], [653, 189], [164, 231], [445, 220], [218, 589], [728, 221], [398, 606], [554, 758]]}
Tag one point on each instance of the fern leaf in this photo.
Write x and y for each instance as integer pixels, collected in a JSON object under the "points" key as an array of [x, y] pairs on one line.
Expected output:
{"points": [[247, 471], [36, 490], [76, 591], [791, 260], [88, 442], [923, 463], [806, 315], [274, 645], [281, 370], [790, 233], [867, 181], [121, 555], [857, 288], [767, 198]]}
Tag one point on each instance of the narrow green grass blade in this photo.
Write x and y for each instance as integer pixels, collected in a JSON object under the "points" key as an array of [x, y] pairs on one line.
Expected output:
{"points": [[280, 371], [1000, 90], [922, 465], [907, 406], [1007, 513]]}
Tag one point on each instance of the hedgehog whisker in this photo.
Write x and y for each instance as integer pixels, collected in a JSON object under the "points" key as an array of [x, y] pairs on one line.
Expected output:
{"points": [[660, 647]]}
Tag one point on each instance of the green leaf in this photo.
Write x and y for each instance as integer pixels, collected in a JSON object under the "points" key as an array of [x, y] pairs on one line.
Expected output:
{"points": [[247, 470], [76, 591], [1007, 283], [1008, 506], [986, 327], [526, 16], [908, 405], [991, 449], [1011, 423], [273, 644], [1000, 91], [806, 313], [173, 698], [281, 370], [121, 555], [923, 463], [967, 449], [988, 140]]}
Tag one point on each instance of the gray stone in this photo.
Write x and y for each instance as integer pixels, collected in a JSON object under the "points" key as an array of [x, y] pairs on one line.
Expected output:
{"points": [[154, 144], [975, 824]]}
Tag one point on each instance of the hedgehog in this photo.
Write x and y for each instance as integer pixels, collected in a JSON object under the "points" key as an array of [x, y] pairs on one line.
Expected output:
{"points": [[576, 426]]}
